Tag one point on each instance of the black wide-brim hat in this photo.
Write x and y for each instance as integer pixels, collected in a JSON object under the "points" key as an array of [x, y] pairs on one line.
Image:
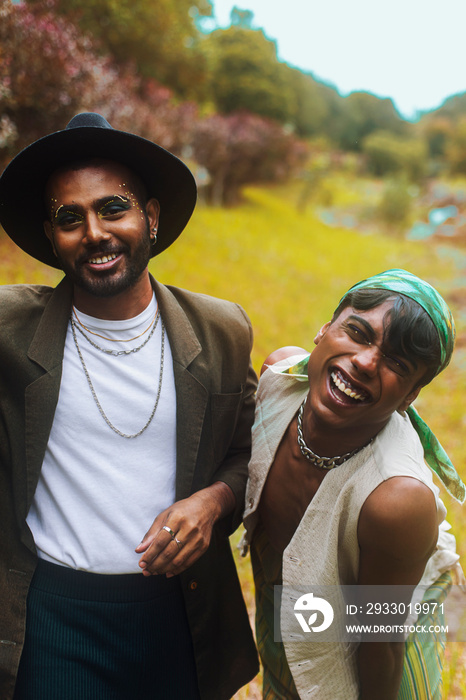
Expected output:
{"points": [[89, 135]]}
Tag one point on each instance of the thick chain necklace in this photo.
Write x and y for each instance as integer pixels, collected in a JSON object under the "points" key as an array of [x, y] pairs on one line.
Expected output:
{"points": [[321, 462], [94, 395], [116, 353], [115, 340]]}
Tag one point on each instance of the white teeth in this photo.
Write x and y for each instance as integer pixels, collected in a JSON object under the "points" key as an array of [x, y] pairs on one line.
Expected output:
{"points": [[103, 259], [346, 389]]}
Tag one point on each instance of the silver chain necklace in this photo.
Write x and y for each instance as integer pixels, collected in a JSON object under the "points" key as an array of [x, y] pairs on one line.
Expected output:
{"points": [[116, 353], [94, 395], [321, 462]]}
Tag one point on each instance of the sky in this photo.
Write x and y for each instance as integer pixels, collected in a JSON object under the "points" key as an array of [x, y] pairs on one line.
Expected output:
{"points": [[413, 51]]}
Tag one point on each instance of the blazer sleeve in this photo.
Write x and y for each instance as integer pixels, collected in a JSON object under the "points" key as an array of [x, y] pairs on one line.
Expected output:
{"points": [[234, 468], [211, 342]]}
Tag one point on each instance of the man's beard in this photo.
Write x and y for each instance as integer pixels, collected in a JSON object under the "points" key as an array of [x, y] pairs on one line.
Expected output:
{"points": [[110, 283]]}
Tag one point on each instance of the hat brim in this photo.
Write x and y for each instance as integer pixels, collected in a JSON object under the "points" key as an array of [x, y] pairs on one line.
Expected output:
{"points": [[22, 184]]}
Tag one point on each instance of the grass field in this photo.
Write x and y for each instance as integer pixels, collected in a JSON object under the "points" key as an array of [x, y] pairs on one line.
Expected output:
{"points": [[288, 271]]}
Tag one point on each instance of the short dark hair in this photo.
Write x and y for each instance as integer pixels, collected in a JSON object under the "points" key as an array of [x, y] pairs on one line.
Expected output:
{"points": [[409, 330]]}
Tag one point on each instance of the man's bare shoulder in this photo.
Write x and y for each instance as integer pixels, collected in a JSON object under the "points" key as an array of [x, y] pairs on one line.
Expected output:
{"points": [[399, 522], [281, 354]]}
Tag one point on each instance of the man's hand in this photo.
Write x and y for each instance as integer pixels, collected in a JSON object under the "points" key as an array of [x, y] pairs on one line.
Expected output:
{"points": [[188, 531]]}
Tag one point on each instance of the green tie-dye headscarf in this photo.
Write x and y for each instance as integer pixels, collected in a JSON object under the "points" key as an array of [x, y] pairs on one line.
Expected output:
{"points": [[406, 283], [403, 282]]}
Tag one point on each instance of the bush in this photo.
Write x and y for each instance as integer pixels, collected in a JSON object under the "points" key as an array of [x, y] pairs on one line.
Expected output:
{"points": [[242, 148], [395, 205], [388, 154], [46, 67]]}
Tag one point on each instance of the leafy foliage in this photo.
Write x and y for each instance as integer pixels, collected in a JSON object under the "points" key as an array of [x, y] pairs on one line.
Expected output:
{"points": [[310, 109], [396, 203], [240, 148], [388, 153], [49, 71], [241, 18], [365, 113], [46, 68], [453, 108], [436, 132], [144, 107], [245, 74], [455, 149], [159, 38], [444, 131]]}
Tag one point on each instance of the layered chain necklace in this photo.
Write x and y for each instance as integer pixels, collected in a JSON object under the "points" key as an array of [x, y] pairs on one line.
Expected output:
{"points": [[117, 353], [321, 462], [81, 325]]}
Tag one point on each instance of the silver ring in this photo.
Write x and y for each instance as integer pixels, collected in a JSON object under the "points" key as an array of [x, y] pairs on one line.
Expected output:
{"points": [[170, 531], [178, 542]]}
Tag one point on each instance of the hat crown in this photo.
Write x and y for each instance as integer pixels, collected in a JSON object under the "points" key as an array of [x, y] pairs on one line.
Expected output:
{"points": [[88, 119]]}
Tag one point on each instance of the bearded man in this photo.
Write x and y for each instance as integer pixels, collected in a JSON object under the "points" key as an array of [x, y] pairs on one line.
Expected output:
{"points": [[367, 514], [125, 417]]}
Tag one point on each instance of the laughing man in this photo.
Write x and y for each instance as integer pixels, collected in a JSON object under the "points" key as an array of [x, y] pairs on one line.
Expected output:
{"points": [[366, 513]]}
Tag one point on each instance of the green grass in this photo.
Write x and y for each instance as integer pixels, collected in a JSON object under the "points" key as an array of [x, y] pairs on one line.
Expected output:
{"points": [[288, 271]]}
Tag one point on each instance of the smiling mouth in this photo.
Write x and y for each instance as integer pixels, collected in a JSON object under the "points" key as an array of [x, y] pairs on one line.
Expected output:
{"points": [[345, 387], [99, 260]]}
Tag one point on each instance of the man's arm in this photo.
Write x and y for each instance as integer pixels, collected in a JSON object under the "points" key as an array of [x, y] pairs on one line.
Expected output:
{"points": [[192, 519], [397, 533]]}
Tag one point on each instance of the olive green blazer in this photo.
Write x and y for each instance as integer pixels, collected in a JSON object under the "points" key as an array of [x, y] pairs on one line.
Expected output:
{"points": [[215, 384]]}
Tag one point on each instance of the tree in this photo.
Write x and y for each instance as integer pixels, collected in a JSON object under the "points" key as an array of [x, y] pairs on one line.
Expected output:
{"points": [[245, 74], [396, 203], [241, 18], [453, 108], [436, 131], [242, 148], [160, 38], [364, 113], [455, 149], [46, 69], [49, 72], [311, 108], [389, 154]]}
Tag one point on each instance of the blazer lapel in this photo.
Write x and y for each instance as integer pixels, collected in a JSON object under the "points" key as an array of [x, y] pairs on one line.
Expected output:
{"points": [[191, 394]]}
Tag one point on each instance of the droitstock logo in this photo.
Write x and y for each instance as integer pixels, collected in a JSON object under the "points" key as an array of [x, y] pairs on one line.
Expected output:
{"points": [[358, 614], [312, 604]]}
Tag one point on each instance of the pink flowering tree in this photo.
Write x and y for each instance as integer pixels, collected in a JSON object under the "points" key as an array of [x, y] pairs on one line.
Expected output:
{"points": [[50, 71], [46, 66], [242, 148], [142, 106]]}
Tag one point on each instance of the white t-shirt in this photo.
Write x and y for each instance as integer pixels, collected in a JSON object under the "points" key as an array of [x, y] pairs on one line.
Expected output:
{"points": [[98, 493]]}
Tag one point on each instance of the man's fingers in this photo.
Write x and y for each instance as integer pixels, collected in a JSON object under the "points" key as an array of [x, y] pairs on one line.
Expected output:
{"points": [[150, 536], [163, 548], [169, 559], [175, 557]]}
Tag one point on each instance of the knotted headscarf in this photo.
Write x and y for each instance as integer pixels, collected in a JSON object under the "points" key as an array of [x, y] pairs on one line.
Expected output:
{"points": [[403, 282]]}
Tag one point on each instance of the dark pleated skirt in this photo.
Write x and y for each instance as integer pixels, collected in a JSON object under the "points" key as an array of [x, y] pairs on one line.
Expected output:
{"points": [[98, 637]]}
